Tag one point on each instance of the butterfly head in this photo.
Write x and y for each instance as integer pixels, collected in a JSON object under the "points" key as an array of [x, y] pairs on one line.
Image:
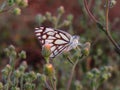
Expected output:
{"points": [[74, 42], [75, 37]]}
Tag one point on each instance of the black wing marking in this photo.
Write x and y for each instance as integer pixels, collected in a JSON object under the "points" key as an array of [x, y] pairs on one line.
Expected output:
{"points": [[59, 40]]}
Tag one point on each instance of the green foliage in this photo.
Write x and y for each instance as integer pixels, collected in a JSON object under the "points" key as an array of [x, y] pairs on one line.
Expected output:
{"points": [[88, 67], [17, 78], [97, 77], [13, 6]]}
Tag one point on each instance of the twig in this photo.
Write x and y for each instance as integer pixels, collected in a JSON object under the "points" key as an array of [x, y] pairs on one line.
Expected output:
{"points": [[88, 11], [106, 30]]}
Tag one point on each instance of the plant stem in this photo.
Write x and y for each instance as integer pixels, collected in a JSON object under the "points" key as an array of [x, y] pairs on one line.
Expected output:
{"points": [[107, 28], [9, 80], [52, 83], [21, 83], [57, 21], [88, 11], [47, 85], [72, 72]]}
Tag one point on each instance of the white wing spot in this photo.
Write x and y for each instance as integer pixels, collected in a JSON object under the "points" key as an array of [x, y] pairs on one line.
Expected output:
{"points": [[36, 28], [44, 36], [50, 33], [39, 37], [53, 48], [57, 35], [51, 44], [64, 37], [41, 27], [49, 41], [50, 37], [48, 29], [40, 30], [60, 42], [51, 55], [38, 34], [42, 41]]}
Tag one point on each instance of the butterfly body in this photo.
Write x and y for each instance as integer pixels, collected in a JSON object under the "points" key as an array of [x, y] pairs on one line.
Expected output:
{"points": [[59, 40], [74, 42]]}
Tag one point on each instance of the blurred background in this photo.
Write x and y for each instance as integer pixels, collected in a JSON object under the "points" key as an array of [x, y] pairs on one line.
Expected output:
{"points": [[18, 30]]}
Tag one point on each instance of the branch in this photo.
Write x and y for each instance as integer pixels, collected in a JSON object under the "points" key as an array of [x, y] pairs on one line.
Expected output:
{"points": [[106, 29]]}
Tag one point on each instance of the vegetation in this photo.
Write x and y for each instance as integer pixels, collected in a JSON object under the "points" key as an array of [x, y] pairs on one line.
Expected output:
{"points": [[92, 66]]}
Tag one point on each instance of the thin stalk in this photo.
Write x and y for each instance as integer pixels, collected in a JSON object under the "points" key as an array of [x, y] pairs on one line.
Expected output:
{"points": [[9, 80], [107, 28], [52, 83], [72, 73], [47, 85], [57, 21], [21, 83], [88, 11]]}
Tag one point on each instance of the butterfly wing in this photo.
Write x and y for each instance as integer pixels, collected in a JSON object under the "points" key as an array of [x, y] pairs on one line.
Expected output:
{"points": [[58, 40]]}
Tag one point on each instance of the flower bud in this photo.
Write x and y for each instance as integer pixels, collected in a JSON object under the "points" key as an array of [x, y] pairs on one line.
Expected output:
{"points": [[22, 54], [11, 48], [1, 86], [96, 72], [89, 75], [86, 49], [17, 74], [17, 1], [32, 75], [78, 85], [46, 51], [105, 76], [49, 70], [61, 10], [6, 71], [28, 86], [39, 18], [66, 23], [23, 66], [8, 67], [112, 3], [16, 11], [42, 78], [23, 3], [48, 15]]}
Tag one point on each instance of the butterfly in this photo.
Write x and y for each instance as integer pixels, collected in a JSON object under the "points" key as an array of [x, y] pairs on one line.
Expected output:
{"points": [[58, 40]]}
